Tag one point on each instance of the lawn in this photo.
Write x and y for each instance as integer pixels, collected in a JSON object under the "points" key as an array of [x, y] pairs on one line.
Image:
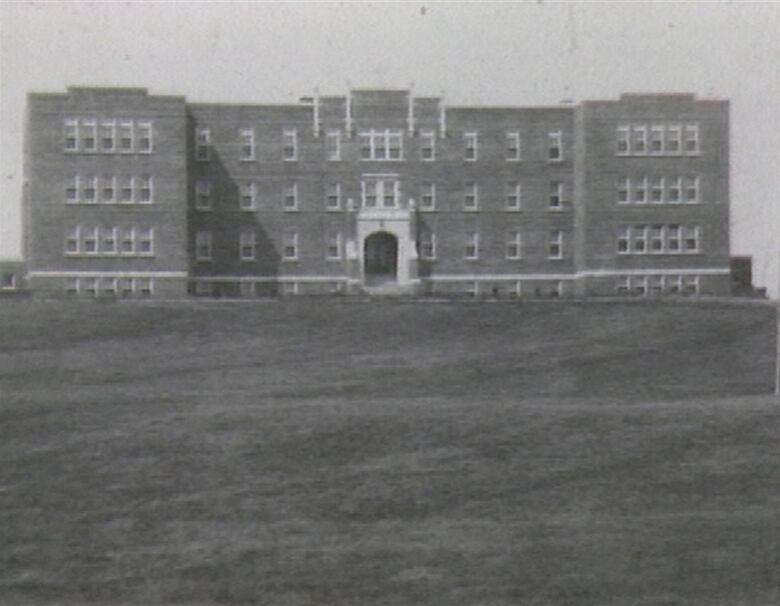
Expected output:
{"points": [[337, 452]]}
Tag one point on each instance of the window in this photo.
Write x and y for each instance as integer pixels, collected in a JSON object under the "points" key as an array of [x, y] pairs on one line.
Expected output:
{"points": [[638, 285], [513, 250], [472, 245], [512, 197], [126, 137], [247, 243], [127, 242], [71, 135], [639, 140], [107, 136], [673, 284], [333, 196], [427, 246], [290, 246], [72, 286], [126, 286], [108, 192], [381, 145], [513, 147], [471, 197], [145, 190], [555, 146], [248, 196], [89, 240], [673, 136], [692, 139], [72, 241], [333, 246], [289, 288], [470, 153], [690, 285], [639, 241], [144, 138], [146, 241], [126, 190], [472, 289], [91, 286], [333, 145], [246, 138], [623, 141], [291, 196], [203, 195], [90, 190], [427, 146], [657, 139], [624, 185], [428, 196], [673, 238], [657, 239], [657, 190], [691, 190], [145, 286], [108, 244], [203, 144], [556, 195], [89, 129], [624, 240], [640, 191], [655, 285], [72, 190], [673, 190], [555, 247], [290, 138], [380, 190], [246, 289], [203, 246], [691, 239], [108, 285]]}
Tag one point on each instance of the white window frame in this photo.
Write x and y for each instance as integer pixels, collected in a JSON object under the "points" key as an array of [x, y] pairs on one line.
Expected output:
{"points": [[471, 146], [689, 285], [673, 233], [109, 235], [555, 146], [203, 195], [656, 237], [246, 140], [471, 192], [144, 285], [690, 183], [290, 241], [90, 126], [126, 234], [145, 235], [555, 196], [333, 145], [90, 184], [377, 187], [639, 140], [146, 183], [204, 246], [90, 234], [657, 135], [73, 186], [513, 143], [657, 187], [145, 133], [110, 134], [624, 241], [90, 285], [427, 146], [691, 233], [427, 250], [73, 236], [126, 131], [640, 185], [673, 138], [556, 240], [247, 239], [513, 200], [380, 143], [623, 140], [203, 144], [247, 191], [290, 142], [125, 181], [290, 288], [109, 180], [428, 192], [471, 248], [624, 191], [674, 184], [513, 249], [290, 192], [71, 131], [108, 285], [333, 240], [639, 235], [691, 135], [333, 188]]}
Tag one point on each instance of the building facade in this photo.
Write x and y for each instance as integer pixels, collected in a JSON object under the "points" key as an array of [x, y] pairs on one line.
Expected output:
{"points": [[378, 191]]}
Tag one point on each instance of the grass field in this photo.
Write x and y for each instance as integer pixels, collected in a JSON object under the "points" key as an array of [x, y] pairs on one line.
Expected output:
{"points": [[344, 453]]}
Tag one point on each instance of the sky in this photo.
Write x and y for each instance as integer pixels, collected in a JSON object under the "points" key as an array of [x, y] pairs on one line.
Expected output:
{"points": [[518, 53]]}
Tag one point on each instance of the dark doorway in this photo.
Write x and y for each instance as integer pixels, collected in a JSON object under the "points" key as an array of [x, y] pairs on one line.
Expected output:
{"points": [[380, 254]]}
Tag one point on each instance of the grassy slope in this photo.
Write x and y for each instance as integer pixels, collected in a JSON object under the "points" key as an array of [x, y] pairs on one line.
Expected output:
{"points": [[343, 453]]}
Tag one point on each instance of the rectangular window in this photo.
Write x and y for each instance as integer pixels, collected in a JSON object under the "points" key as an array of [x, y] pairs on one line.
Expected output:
{"points": [[89, 240], [673, 284], [657, 139], [556, 195], [691, 139], [247, 243], [145, 286], [657, 190], [673, 238], [366, 145], [623, 141], [639, 241], [513, 250], [555, 146], [90, 190], [691, 239], [108, 244], [623, 188], [472, 245], [291, 196], [639, 285], [471, 142], [72, 241], [248, 196], [145, 190], [203, 144], [72, 286], [126, 286], [146, 241], [203, 195], [394, 145], [555, 248], [71, 135], [673, 139], [333, 196], [127, 242], [427, 146], [624, 240], [90, 286], [333, 246], [690, 285], [144, 137], [290, 144], [108, 191], [126, 137], [289, 288], [290, 246], [655, 285], [127, 190], [333, 145], [380, 191], [640, 190], [657, 239], [72, 190], [673, 191], [691, 190], [108, 136], [381, 144], [513, 147], [471, 197], [428, 196], [203, 246], [427, 246], [246, 138], [639, 140], [512, 196], [89, 135], [623, 285]]}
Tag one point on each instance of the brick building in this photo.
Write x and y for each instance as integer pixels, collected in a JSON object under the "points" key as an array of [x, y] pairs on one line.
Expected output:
{"points": [[131, 194]]}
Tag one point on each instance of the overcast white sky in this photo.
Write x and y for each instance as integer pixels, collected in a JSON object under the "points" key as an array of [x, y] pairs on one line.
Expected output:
{"points": [[482, 53]]}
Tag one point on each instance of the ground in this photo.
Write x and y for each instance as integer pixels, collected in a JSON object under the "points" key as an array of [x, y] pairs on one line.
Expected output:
{"points": [[342, 452]]}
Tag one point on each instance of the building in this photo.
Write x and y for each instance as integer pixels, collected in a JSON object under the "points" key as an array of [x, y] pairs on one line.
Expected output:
{"points": [[132, 194]]}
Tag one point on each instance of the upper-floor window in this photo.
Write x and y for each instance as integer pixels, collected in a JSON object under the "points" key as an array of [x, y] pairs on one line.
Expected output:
{"points": [[333, 196], [471, 142], [203, 195], [203, 144], [333, 246], [658, 190], [291, 196], [639, 139], [108, 244], [72, 190], [145, 189], [290, 246], [203, 246], [90, 189], [658, 239], [247, 144], [555, 200], [126, 137], [472, 245], [108, 136], [512, 196], [290, 144], [381, 144], [89, 135], [127, 190], [380, 192], [428, 196], [145, 241], [691, 190], [658, 139], [71, 135], [108, 190], [471, 197], [513, 245], [555, 146], [247, 243], [692, 139], [427, 145], [248, 195], [333, 145], [674, 139], [427, 245], [144, 136], [555, 245], [513, 147]]}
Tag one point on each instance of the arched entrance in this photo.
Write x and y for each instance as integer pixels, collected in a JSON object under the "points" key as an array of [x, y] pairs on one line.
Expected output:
{"points": [[380, 258]]}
